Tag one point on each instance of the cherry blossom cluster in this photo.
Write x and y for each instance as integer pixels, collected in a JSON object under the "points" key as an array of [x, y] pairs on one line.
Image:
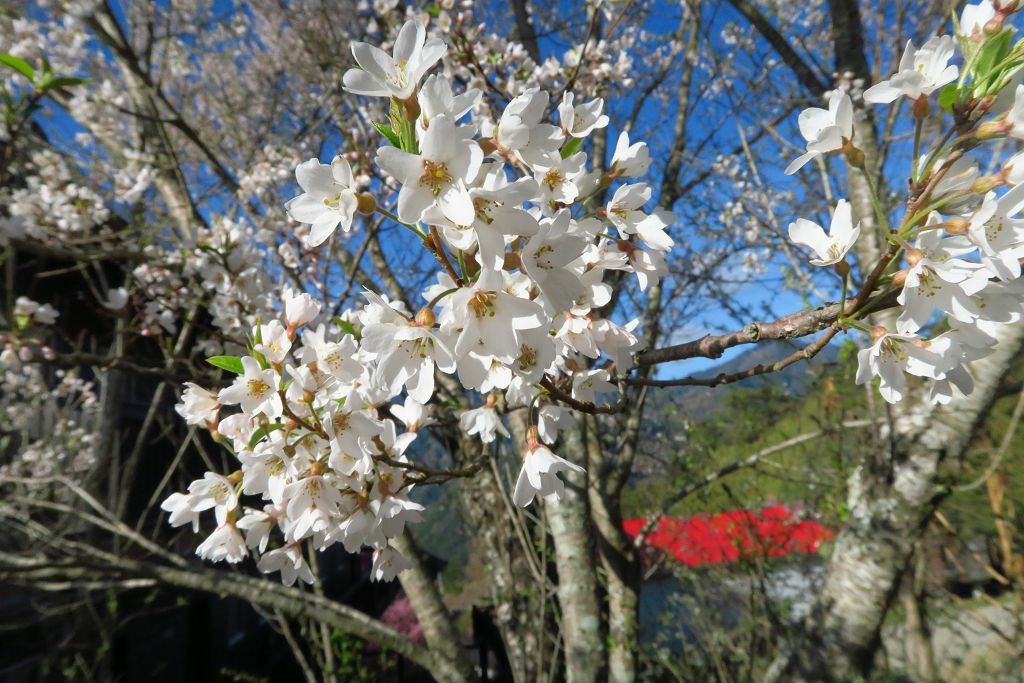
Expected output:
{"points": [[523, 234], [482, 58], [317, 440], [52, 423], [52, 204], [226, 271], [961, 239]]}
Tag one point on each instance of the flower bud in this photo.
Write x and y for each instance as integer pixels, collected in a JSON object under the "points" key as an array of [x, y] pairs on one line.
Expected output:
{"points": [[235, 477], [899, 278], [365, 203], [994, 25], [532, 438], [922, 107], [986, 184], [487, 145], [914, 256], [878, 332], [854, 156], [425, 317], [990, 129], [957, 225]]}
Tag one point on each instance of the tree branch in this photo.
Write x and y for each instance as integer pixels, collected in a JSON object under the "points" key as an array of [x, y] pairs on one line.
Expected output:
{"points": [[804, 73]]}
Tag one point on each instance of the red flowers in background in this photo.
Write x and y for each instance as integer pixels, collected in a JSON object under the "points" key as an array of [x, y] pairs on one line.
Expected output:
{"points": [[733, 535]]}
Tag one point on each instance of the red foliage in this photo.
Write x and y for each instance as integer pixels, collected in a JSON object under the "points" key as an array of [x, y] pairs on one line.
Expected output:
{"points": [[733, 535]]}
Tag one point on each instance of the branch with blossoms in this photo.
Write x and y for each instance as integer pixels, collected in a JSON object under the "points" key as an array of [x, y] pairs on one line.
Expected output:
{"points": [[329, 405]]}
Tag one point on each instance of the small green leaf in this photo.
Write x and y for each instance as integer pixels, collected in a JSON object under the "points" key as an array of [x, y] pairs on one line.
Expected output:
{"points": [[388, 133], [348, 328], [262, 433], [229, 363], [62, 82], [19, 65], [571, 147], [949, 96], [992, 53]]}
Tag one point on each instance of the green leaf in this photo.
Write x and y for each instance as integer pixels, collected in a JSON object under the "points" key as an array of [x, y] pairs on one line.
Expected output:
{"points": [[62, 82], [949, 96], [229, 363], [389, 134], [19, 65], [571, 147], [992, 53], [262, 433], [348, 328]]}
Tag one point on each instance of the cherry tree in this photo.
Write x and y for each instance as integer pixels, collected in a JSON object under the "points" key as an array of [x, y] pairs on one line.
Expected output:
{"points": [[480, 246]]}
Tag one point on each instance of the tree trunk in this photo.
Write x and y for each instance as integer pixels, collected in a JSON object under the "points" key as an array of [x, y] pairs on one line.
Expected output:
{"points": [[569, 521], [438, 628], [890, 501], [920, 655], [512, 586]]}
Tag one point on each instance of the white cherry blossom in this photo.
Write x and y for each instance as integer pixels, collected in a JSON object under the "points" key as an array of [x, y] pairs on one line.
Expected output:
{"points": [[581, 120], [328, 199], [483, 421], [437, 175], [289, 562], [198, 406], [831, 248], [256, 390], [539, 475], [891, 357], [825, 130], [921, 72], [630, 161], [397, 75], [998, 235]]}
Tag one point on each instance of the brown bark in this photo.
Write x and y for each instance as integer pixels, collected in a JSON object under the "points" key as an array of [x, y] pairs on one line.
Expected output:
{"points": [[438, 627], [512, 589], [525, 32]]}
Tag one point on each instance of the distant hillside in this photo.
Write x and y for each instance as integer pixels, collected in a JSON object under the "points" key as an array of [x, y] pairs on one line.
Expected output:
{"points": [[698, 403]]}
